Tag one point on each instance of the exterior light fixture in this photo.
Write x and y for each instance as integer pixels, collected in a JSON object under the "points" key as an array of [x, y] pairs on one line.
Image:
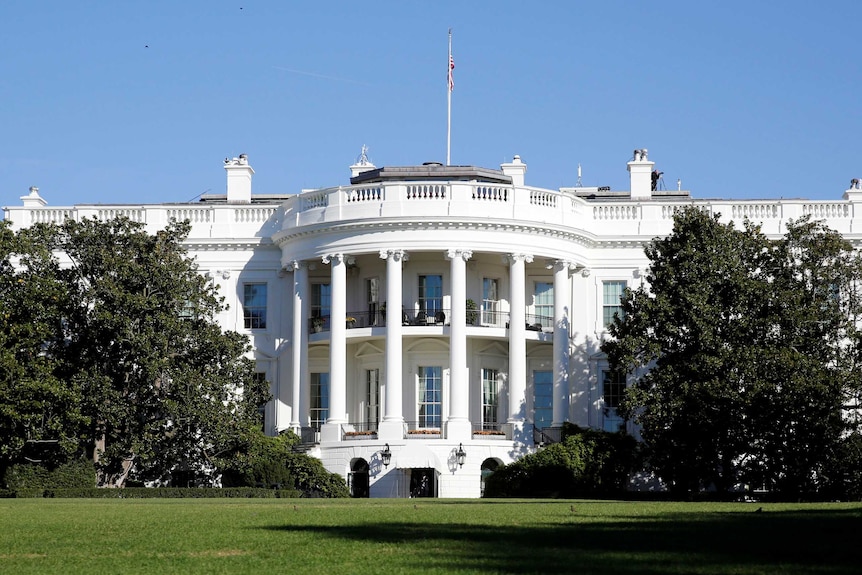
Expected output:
{"points": [[460, 455], [386, 454]]}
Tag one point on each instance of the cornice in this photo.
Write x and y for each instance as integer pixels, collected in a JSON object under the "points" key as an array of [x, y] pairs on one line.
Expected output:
{"points": [[228, 244]]}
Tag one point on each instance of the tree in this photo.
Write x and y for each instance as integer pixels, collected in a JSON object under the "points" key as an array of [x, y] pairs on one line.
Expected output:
{"points": [[739, 347], [136, 351], [40, 414]]}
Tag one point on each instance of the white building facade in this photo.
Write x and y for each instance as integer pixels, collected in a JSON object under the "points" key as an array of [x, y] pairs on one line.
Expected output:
{"points": [[425, 324]]}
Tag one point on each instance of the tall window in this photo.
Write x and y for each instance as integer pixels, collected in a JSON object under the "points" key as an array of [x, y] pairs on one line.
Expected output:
{"points": [[612, 293], [254, 306], [490, 377], [319, 399], [543, 399], [430, 294], [490, 302], [430, 396], [613, 388], [321, 300], [372, 398], [543, 300], [372, 296]]}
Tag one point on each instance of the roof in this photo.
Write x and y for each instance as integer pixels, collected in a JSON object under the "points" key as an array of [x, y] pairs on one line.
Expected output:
{"points": [[431, 171]]}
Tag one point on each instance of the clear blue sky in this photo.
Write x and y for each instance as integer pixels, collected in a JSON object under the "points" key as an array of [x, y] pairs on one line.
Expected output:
{"points": [[138, 102]]}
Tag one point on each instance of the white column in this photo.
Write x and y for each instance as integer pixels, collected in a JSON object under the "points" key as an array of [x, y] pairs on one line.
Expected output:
{"points": [[561, 342], [458, 423], [392, 426], [518, 345], [299, 347], [337, 349]]}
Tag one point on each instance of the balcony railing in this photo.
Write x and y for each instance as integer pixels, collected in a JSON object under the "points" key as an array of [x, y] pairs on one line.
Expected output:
{"points": [[438, 318], [486, 430], [359, 430]]}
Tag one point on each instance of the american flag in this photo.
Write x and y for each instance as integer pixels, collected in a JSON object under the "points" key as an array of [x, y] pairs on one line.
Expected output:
{"points": [[451, 67]]}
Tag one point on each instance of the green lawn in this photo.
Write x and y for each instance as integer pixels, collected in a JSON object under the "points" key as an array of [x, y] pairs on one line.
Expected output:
{"points": [[263, 536]]}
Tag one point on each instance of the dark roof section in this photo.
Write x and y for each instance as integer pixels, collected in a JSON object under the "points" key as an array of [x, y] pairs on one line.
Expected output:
{"points": [[432, 171]]}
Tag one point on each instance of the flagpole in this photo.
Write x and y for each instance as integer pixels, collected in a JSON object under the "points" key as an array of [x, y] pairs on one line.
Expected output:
{"points": [[449, 101]]}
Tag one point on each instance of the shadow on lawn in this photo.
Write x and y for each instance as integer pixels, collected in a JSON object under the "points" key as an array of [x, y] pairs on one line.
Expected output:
{"points": [[782, 541]]}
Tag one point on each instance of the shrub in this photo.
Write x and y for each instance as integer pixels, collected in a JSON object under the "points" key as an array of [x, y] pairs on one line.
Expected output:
{"points": [[271, 461], [585, 463]]}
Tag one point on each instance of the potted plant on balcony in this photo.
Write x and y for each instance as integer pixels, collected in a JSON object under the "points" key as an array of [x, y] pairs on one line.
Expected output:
{"points": [[472, 312]]}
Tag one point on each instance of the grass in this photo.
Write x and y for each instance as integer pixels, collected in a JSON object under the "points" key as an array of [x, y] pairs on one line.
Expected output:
{"points": [[424, 536]]}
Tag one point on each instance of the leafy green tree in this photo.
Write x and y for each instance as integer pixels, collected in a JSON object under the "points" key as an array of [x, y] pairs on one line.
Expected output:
{"points": [[111, 347], [40, 414], [686, 332], [743, 355]]}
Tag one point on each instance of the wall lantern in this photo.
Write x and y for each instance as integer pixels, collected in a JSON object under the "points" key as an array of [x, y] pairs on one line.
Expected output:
{"points": [[387, 456], [460, 456]]}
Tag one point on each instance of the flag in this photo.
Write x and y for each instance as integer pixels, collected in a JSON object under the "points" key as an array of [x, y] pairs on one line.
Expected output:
{"points": [[451, 67]]}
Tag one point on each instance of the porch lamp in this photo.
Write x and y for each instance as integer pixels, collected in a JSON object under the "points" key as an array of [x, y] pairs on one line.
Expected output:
{"points": [[460, 455], [387, 456]]}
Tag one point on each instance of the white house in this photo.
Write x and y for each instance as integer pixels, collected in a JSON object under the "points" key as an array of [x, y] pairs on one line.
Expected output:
{"points": [[424, 324]]}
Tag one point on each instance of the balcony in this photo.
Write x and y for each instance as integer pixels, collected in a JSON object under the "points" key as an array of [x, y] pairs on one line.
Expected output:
{"points": [[439, 318]]}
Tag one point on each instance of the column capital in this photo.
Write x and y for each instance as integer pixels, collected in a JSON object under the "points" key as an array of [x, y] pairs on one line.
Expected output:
{"points": [[397, 255], [294, 265], [338, 258], [560, 265], [513, 258], [459, 253]]}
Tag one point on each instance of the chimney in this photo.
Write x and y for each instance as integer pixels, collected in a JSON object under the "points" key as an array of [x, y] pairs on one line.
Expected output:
{"points": [[516, 169], [640, 170], [33, 199], [363, 164], [239, 175]]}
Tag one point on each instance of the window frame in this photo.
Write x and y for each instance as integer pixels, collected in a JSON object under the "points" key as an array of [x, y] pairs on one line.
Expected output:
{"points": [[424, 419], [610, 308], [252, 318], [319, 399], [490, 388], [549, 408]]}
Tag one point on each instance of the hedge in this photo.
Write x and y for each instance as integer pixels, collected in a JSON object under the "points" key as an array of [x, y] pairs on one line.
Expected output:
{"points": [[155, 492]]}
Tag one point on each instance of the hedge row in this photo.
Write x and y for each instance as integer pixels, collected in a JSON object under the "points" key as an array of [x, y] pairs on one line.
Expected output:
{"points": [[155, 492], [74, 474]]}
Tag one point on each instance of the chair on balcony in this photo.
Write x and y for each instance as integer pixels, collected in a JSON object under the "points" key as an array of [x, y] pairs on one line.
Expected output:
{"points": [[439, 318], [421, 319]]}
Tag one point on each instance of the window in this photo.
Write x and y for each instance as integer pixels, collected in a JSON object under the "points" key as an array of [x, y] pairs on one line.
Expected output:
{"points": [[321, 300], [372, 296], [613, 389], [543, 300], [490, 377], [372, 398], [612, 293], [431, 294], [430, 396], [319, 399], [543, 399], [254, 306], [490, 300]]}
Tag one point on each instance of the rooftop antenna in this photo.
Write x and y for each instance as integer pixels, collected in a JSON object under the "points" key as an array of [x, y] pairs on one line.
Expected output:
{"points": [[578, 185]]}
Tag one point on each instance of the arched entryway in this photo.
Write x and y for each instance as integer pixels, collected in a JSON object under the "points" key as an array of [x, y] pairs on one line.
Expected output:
{"points": [[358, 478], [489, 466]]}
